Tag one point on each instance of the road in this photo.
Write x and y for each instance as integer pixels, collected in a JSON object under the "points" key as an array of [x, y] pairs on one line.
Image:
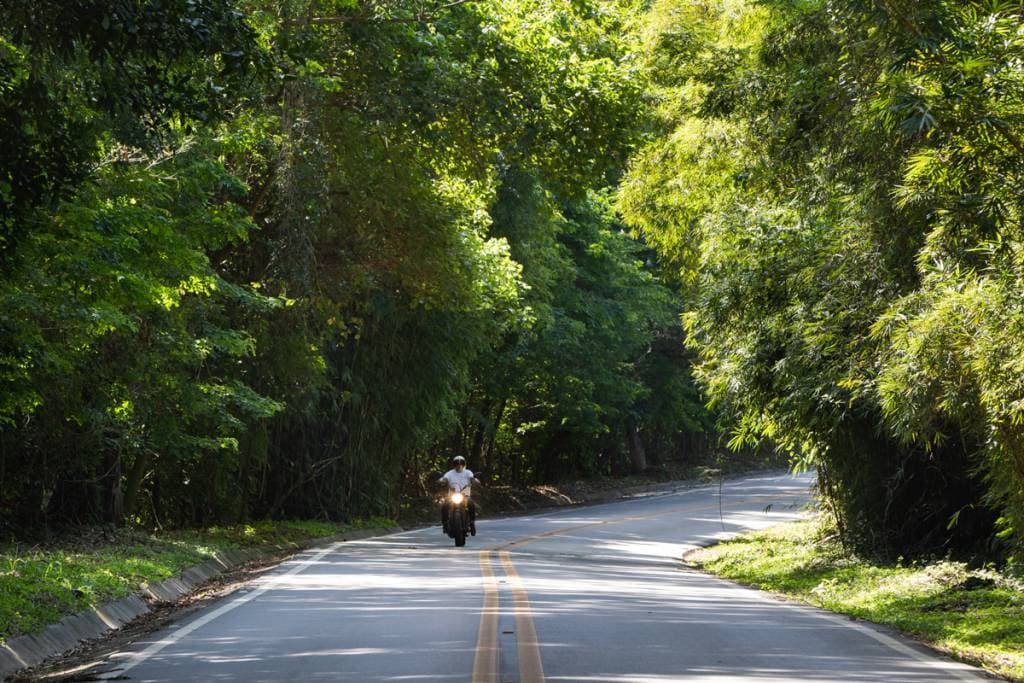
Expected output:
{"points": [[584, 594]]}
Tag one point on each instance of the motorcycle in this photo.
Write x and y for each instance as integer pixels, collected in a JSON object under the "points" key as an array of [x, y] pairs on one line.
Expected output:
{"points": [[458, 515]]}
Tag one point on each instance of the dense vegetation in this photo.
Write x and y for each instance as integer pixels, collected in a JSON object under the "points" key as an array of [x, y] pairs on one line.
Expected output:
{"points": [[265, 258], [285, 258], [838, 181]]}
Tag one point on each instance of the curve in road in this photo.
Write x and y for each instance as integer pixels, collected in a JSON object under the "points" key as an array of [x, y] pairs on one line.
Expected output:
{"points": [[584, 594]]}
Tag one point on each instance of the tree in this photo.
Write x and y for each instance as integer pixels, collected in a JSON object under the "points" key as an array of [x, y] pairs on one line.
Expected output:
{"points": [[260, 252], [796, 192]]}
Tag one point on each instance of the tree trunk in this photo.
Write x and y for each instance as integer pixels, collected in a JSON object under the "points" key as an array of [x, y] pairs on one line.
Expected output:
{"points": [[637, 454], [135, 478]]}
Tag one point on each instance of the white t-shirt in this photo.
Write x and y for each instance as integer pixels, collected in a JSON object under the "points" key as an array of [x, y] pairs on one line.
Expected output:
{"points": [[459, 481]]}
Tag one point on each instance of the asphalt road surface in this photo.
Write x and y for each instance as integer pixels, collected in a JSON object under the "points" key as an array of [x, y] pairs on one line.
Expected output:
{"points": [[585, 594]]}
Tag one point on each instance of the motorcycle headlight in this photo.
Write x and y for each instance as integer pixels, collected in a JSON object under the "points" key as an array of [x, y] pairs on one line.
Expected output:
{"points": [[457, 497]]}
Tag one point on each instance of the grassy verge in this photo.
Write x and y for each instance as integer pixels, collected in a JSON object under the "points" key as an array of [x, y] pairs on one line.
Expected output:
{"points": [[977, 615], [40, 585]]}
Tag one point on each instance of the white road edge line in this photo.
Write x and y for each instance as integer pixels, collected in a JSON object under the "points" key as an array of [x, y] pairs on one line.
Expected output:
{"points": [[138, 658], [961, 671]]}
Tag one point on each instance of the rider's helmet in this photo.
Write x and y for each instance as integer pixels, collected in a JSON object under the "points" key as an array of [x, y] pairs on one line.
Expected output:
{"points": [[458, 460]]}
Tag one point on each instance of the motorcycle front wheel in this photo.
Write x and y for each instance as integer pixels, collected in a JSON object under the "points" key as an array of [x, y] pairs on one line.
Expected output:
{"points": [[458, 528]]}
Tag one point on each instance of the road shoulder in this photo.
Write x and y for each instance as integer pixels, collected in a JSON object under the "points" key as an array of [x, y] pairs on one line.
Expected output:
{"points": [[973, 616]]}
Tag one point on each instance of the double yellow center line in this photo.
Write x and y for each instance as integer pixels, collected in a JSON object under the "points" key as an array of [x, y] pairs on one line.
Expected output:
{"points": [[486, 664], [528, 647], [485, 667]]}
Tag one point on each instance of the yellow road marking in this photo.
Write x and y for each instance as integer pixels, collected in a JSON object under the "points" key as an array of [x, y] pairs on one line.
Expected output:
{"points": [[485, 666], [530, 669], [486, 663]]}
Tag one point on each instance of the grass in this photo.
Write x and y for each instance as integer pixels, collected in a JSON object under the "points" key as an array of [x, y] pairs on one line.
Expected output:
{"points": [[975, 615], [40, 585]]}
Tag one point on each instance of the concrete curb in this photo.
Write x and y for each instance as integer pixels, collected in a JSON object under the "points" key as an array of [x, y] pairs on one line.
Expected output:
{"points": [[27, 651]]}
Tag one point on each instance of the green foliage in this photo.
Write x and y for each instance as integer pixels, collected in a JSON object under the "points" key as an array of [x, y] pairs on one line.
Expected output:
{"points": [[80, 77], [601, 360], [836, 182], [424, 193], [124, 265], [952, 347], [276, 259]]}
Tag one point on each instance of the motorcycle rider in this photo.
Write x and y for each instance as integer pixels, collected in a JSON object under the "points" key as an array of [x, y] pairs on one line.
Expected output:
{"points": [[459, 479]]}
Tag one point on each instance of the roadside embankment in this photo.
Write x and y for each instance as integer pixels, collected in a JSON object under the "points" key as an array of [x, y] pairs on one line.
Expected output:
{"points": [[974, 615], [80, 587]]}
